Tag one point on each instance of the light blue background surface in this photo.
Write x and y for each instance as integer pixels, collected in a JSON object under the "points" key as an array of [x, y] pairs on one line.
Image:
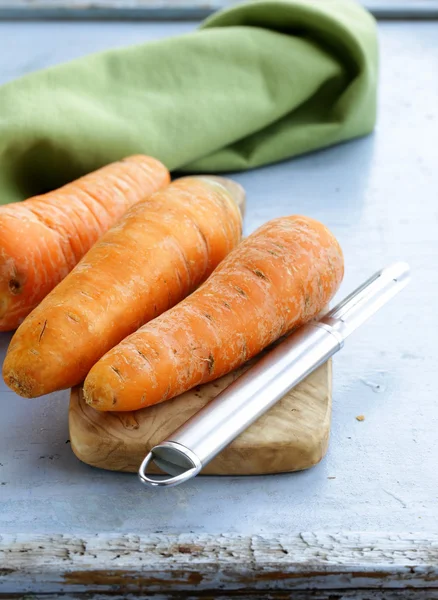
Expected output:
{"points": [[380, 197]]}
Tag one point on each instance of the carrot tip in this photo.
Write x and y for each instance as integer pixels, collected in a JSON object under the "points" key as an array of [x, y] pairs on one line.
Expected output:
{"points": [[95, 400], [19, 386]]}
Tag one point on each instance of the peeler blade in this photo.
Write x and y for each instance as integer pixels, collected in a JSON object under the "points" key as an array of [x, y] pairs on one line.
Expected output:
{"points": [[366, 300]]}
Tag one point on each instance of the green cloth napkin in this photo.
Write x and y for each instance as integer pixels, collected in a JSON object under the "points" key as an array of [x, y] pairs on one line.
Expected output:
{"points": [[257, 83]]}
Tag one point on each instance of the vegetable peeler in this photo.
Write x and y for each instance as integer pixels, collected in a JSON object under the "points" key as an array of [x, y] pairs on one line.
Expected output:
{"points": [[203, 436]]}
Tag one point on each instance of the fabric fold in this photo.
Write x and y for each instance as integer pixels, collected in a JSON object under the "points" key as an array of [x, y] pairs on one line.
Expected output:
{"points": [[257, 83]]}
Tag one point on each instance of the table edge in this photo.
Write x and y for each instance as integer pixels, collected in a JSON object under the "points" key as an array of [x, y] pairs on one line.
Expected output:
{"points": [[169, 562]]}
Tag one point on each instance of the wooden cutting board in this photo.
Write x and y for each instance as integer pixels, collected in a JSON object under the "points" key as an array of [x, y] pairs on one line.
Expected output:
{"points": [[292, 436]]}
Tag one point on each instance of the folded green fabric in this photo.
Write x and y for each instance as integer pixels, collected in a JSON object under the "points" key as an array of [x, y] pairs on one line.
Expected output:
{"points": [[257, 83]]}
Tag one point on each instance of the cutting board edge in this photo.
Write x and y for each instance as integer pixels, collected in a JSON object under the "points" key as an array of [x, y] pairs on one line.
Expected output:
{"points": [[295, 460]]}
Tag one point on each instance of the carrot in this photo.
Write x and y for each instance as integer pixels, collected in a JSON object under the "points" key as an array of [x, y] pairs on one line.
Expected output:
{"points": [[43, 238], [277, 279], [159, 252]]}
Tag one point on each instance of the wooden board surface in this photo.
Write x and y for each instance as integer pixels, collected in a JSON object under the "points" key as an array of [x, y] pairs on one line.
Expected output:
{"points": [[292, 436]]}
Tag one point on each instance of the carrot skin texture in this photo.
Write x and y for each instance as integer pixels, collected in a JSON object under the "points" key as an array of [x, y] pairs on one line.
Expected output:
{"points": [[44, 237], [280, 277], [159, 252]]}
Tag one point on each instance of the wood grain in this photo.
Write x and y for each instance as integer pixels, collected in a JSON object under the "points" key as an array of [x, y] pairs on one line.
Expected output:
{"points": [[292, 436], [330, 594], [326, 565]]}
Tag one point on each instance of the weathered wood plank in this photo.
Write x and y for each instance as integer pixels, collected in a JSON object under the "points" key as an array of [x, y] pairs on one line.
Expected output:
{"points": [[162, 563], [179, 9], [358, 594]]}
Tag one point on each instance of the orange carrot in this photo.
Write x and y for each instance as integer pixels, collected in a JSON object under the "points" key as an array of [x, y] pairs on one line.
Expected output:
{"points": [[43, 238], [277, 279], [159, 252]]}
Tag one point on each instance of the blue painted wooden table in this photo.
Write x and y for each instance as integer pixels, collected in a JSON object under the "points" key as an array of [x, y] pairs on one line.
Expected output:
{"points": [[379, 195]]}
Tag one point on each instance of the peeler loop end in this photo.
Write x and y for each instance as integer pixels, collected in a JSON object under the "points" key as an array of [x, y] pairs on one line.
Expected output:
{"points": [[173, 458]]}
